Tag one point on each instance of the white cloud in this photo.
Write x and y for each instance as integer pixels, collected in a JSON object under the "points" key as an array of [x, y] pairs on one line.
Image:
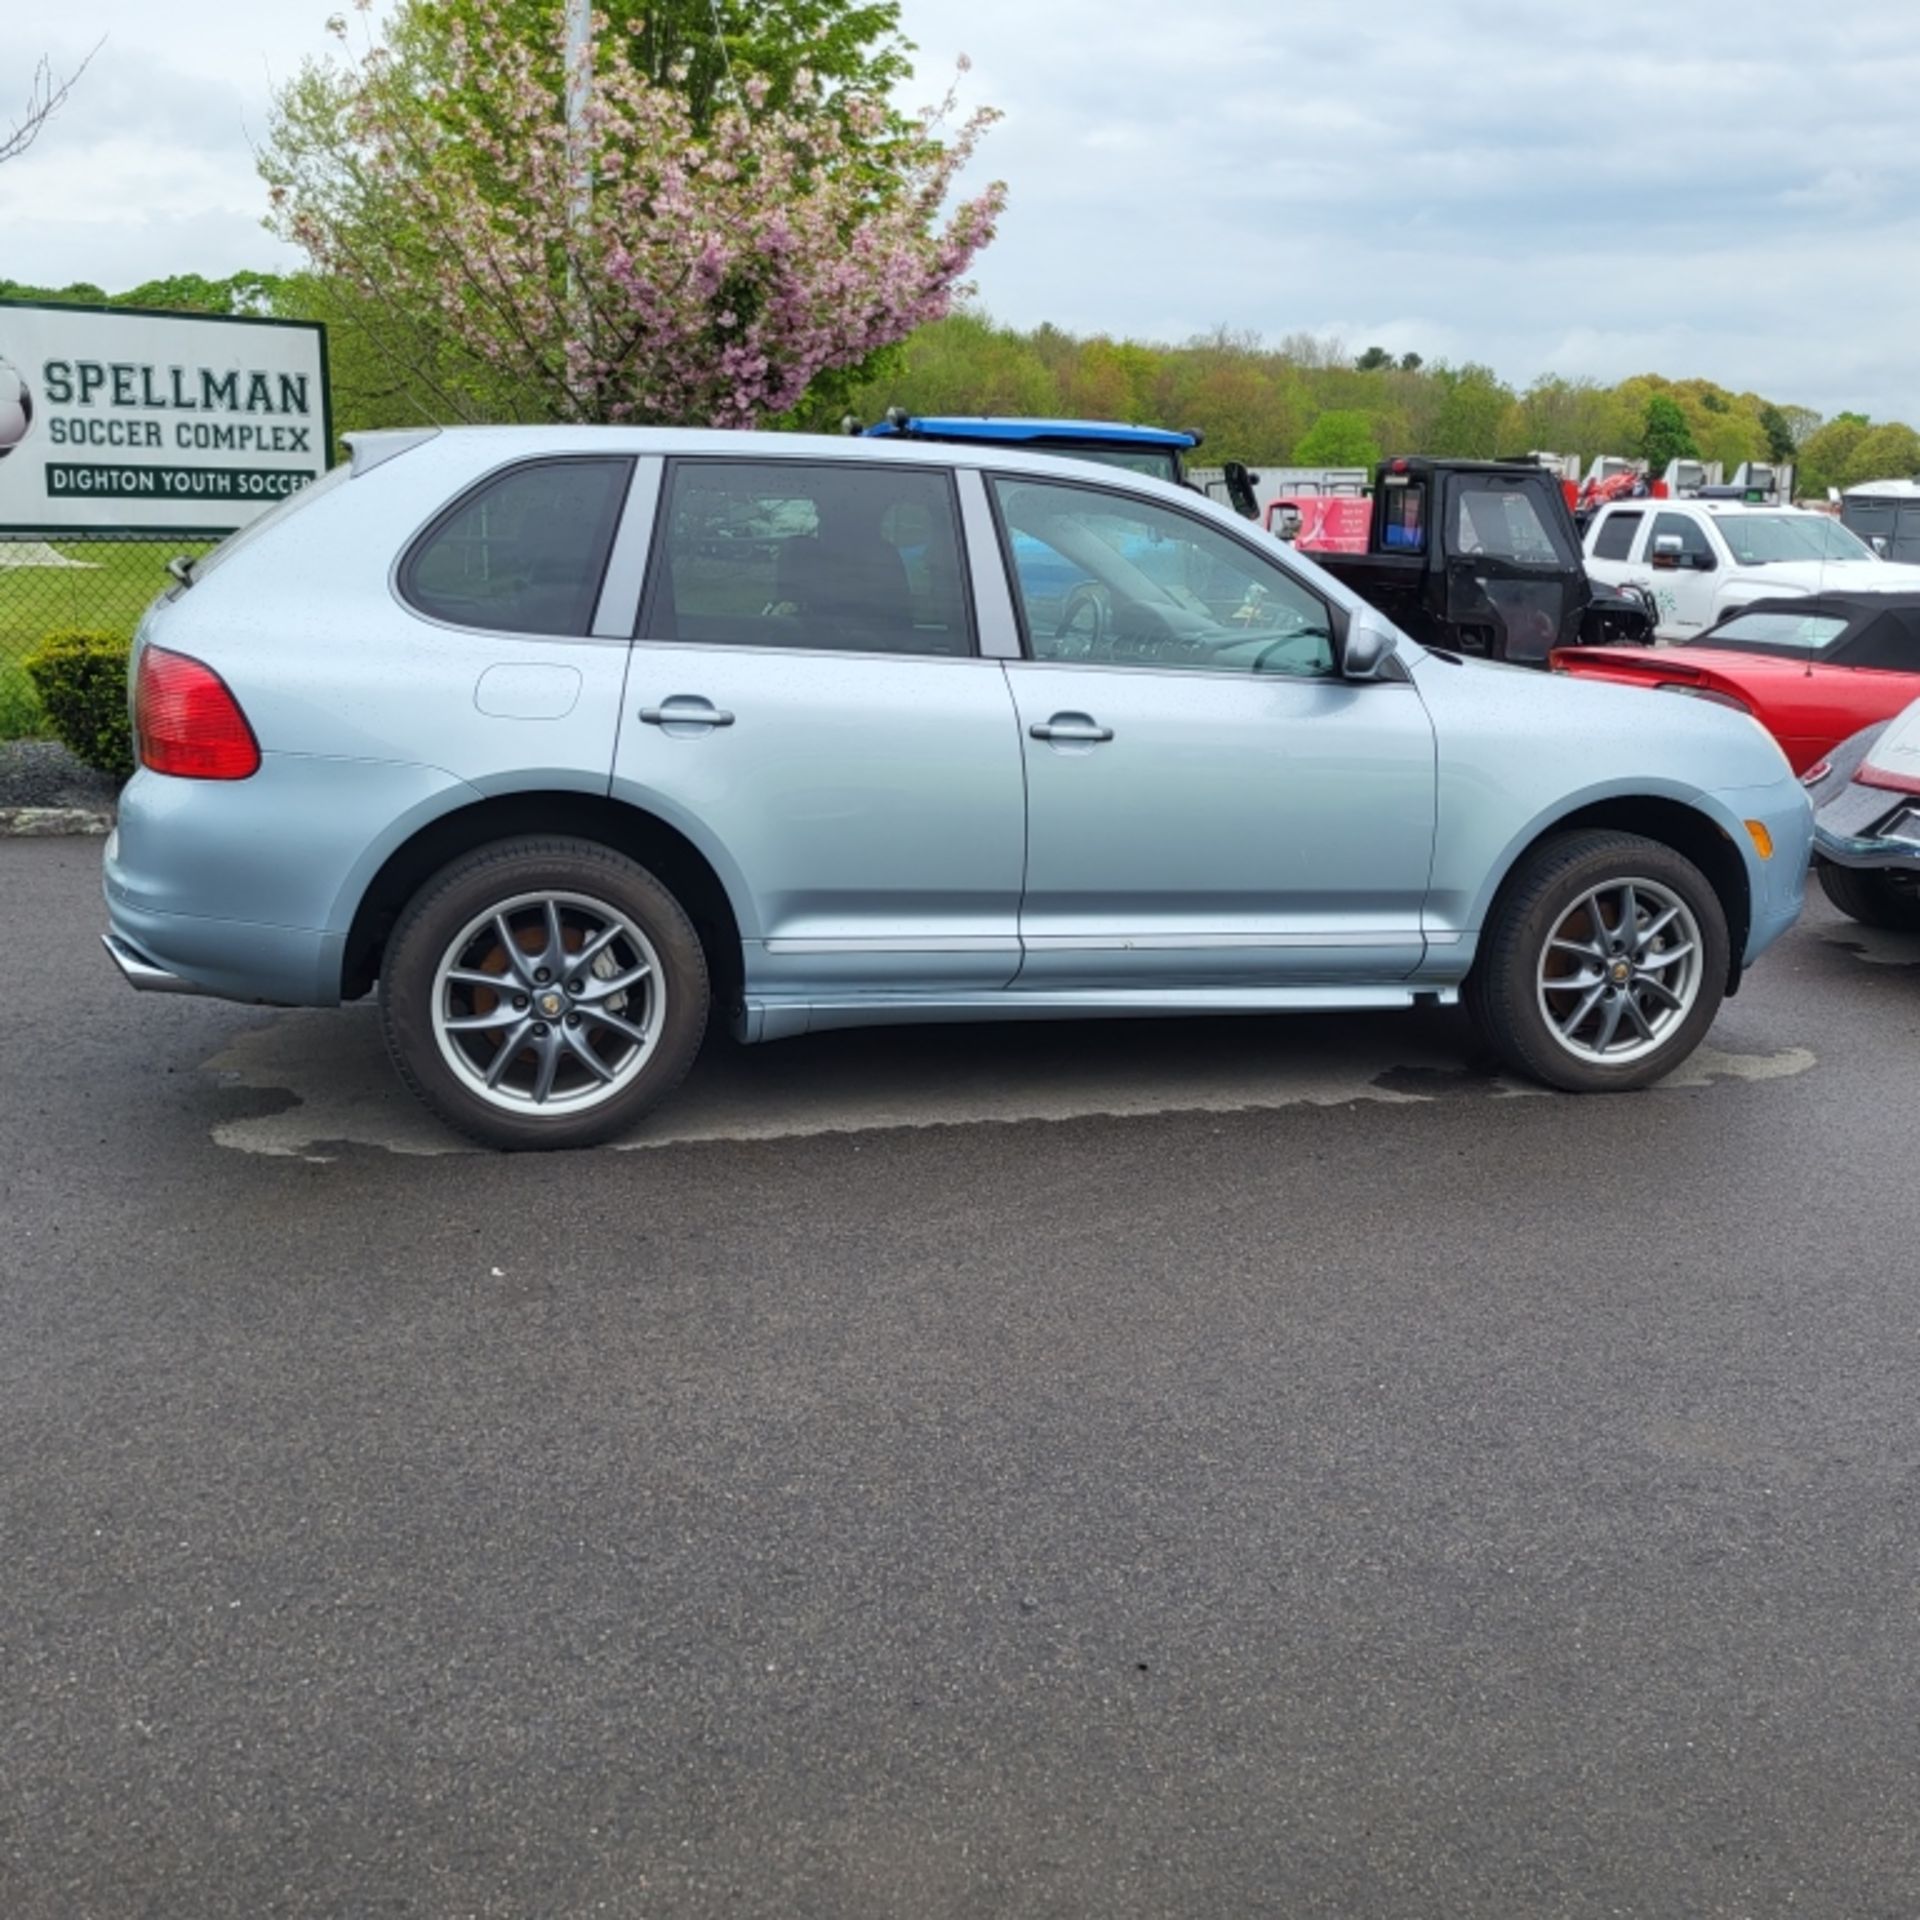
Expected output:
{"points": [[1728, 187]]}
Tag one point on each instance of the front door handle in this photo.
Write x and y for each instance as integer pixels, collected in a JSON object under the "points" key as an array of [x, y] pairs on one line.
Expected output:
{"points": [[686, 710], [1080, 729]]}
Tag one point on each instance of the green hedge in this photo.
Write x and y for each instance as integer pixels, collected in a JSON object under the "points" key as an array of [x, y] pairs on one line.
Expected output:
{"points": [[81, 679]]}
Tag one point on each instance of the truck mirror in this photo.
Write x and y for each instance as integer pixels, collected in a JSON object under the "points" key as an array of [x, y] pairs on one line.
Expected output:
{"points": [[1240, 490], [1667, 549]]}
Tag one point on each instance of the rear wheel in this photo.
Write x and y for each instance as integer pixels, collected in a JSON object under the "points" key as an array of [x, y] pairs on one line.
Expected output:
{"points": [[1874, 899], [1603, 965], [543, 993]]}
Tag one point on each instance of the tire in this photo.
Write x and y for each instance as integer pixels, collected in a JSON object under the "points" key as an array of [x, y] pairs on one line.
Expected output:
{"points": [[1545, 916], [623, 1031], [1874, 899]]}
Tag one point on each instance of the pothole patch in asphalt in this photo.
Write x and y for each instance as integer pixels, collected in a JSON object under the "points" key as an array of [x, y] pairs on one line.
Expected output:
{"points": [[332, 1073]]}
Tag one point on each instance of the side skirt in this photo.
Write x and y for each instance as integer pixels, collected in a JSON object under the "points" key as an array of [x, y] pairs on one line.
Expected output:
{"points": [[765, 1018]]}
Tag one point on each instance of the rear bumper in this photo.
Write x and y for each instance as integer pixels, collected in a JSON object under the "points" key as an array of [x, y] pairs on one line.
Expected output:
{"points": [[159, 952], [1848, 850], [1849, 829]]}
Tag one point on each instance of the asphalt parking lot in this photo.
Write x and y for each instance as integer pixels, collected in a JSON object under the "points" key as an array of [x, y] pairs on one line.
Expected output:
{"points": [[1202, 1469]]}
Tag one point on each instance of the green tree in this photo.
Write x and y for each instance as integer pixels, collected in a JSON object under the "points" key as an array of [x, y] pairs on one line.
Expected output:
{"points": [[1343, 438], [703, 48], [1373, 360], [1467, 426], [1781, 440], [794, 56], [1665, 435], [1826, 457], [1891, 452]]}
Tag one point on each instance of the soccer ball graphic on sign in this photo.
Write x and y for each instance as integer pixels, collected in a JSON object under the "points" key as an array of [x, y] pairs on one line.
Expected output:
{"points": [[16, 407]]}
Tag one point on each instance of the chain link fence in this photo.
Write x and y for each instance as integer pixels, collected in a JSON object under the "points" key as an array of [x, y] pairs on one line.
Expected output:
{"points": [[72, 582]]}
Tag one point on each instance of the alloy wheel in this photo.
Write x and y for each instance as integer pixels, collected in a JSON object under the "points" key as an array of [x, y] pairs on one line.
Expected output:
{"points": [[549, 1002], [1620, 972]]}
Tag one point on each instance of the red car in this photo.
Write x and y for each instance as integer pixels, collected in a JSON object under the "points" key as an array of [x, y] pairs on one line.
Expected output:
{"points": [[1813, 671]]}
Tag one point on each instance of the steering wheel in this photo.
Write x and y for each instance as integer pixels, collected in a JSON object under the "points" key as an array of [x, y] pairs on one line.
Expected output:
{"points": [[1082, 625]]}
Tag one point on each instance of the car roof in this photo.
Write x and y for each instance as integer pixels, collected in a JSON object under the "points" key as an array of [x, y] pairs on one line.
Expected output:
{"points": [[476, 450], [522, 442], [1736, 509], [1846, 606], [1013, 432]]}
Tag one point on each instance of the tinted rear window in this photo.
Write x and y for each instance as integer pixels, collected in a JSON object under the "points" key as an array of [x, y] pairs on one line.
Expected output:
{"points": [[788, 553], [524, 551], [1615, 538]]}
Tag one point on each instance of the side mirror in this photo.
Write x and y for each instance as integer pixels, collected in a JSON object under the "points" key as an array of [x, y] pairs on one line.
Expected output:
{"points": [[1667, 549], [1240, 490], [1286, 522], [1365, 652], [1879, 544]]}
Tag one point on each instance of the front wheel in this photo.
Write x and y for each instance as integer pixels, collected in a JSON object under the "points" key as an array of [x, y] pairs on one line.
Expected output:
{"points": [[543, 993], [1603, 965], [1874, 899]]}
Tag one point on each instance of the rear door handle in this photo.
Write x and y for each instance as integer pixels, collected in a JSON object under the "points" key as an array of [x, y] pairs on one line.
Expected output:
{"points": [[686, 710], [1079, 728]]}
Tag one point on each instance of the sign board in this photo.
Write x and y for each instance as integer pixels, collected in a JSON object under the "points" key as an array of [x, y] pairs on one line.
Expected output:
{"points": [[119, 419], [1330, 523]]}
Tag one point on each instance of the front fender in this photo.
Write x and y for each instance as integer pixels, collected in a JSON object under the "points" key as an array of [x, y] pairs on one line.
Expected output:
{"points": [[1472, 914]]}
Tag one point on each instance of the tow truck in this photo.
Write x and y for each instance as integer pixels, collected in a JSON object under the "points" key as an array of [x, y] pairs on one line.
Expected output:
{"points": [[1470, 556]]}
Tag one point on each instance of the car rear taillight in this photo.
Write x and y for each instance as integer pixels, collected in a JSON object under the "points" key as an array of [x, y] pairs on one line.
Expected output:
{"points": [[1816, 773], [1872, 776], [188, 722]]}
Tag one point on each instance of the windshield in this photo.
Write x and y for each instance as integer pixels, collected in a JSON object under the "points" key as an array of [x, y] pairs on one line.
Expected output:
{"points": [[1759, 539]]}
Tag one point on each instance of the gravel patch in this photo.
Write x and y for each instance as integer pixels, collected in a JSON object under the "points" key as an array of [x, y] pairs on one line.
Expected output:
{"points": [[42, 773]]}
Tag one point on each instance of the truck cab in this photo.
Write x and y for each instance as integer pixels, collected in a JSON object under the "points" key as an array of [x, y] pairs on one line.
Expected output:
{"points": [[1702, 557], [1481, 557]]}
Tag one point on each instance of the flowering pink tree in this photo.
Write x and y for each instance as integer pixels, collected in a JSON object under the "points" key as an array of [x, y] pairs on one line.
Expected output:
{"points": [[633, 268]]}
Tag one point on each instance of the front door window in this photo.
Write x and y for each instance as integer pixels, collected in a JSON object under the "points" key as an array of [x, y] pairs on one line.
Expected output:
{"points": [[1107, 579]]}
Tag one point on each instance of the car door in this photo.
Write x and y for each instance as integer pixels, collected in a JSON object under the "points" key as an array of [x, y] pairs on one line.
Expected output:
{"points": [[1510, 568], [1683, 593], [806, 702], [1208, 803]]}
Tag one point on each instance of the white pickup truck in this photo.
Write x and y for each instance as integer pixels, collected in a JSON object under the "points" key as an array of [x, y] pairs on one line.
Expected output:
{"points": [[1701, 558]]}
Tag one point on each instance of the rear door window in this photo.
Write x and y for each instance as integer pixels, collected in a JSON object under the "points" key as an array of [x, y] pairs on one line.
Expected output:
{"points": [[523, 552], [1614, 541], [829, 556]]}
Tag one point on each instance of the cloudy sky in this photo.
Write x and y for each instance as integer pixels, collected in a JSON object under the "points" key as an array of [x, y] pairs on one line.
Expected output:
{"points": [[1722, 187]]}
